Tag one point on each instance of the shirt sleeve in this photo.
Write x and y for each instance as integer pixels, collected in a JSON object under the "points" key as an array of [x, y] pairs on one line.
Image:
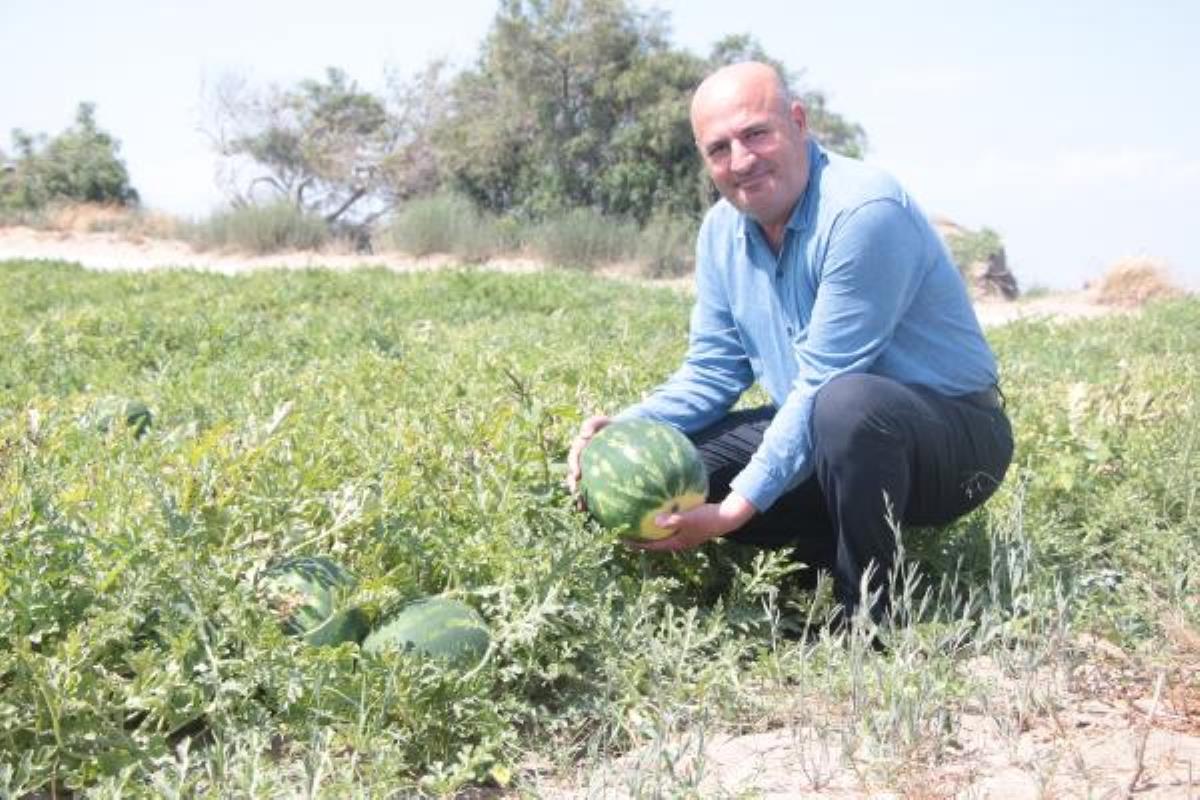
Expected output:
{"points": [[715, 371], [872, 267]]}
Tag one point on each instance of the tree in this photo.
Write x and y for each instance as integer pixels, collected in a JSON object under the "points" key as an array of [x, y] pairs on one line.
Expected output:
{"points": [[321, 145], [82, 164], [831, 129], [583, 103], [572, 103]]}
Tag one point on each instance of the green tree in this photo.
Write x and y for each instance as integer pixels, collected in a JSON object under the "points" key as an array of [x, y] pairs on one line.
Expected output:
{"points": [[321, 145], [830, 128], [82, 163], [531, 125], [584, 103]]}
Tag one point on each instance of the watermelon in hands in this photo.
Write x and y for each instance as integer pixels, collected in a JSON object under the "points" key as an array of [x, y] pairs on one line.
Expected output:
{"points": [[634, 470]]}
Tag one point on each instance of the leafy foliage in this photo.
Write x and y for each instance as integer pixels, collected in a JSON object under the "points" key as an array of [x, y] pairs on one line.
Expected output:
{"points": [[321, 146], [267, 228], [413, 427], [572, 105], [82, 163], [968, 247], [584, 103]]}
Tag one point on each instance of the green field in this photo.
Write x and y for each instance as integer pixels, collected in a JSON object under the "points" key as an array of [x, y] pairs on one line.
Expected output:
{"points": [[414, 427]]}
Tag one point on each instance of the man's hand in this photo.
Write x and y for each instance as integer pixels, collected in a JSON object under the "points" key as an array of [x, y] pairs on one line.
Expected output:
{"points": [[590, 427], [694, 528]]}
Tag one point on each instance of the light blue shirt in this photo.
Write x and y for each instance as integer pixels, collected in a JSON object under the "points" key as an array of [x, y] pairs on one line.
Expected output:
{"points": [[862, 283]]}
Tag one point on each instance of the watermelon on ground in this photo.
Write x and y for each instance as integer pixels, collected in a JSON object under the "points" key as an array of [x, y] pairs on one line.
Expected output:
{"points": [[633, 470], [304, 593], [433, 626], [107, 412]]}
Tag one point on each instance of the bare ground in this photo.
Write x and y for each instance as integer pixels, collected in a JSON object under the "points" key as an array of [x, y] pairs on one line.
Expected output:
{"points": [[1107, 727], [118, 251]]}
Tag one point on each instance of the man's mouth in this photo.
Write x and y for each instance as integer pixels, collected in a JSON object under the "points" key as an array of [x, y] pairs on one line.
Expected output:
{"points": [[752, 182]]}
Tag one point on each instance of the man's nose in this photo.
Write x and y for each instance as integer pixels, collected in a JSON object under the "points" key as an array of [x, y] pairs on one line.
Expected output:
{"points": [[741, 158]]}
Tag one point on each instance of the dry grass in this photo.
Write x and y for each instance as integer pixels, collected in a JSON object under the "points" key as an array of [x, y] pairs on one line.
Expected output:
{"points": [[132, 224], [1135, 281]]}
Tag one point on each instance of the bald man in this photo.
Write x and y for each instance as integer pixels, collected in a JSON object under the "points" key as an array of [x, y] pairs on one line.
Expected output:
{"points": [[819, 278]]}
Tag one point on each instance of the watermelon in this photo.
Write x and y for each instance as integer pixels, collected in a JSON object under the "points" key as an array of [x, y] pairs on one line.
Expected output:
{"points": [[432, 626], [108, 412], [304, 593], [633, 470]]}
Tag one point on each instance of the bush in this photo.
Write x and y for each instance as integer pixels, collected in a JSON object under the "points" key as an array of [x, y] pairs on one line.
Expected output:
{"points": [[446, 223], [261, 229], [81, 164], [1132, 282], [666, 246], [583, 238], [971, 247]]}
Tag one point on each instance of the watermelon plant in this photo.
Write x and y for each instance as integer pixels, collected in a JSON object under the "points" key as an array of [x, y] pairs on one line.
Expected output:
{"points": [[414, 427], [433, 626], [634, 470]]}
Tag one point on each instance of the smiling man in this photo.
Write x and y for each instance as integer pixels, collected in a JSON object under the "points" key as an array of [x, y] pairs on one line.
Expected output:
{"points": [[820, 279]]}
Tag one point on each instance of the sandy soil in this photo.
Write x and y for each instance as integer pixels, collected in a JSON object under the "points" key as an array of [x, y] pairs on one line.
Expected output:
{"points": [[1106, 728], [113, 251]]}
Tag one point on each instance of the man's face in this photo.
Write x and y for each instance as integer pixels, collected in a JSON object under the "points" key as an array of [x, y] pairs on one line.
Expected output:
{"points": [[753, 146]]}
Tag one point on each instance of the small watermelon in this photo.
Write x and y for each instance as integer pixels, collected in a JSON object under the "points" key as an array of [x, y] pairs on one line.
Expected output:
{"points": [[432, 626], [108, 412], [304, 591], [636, 469]]}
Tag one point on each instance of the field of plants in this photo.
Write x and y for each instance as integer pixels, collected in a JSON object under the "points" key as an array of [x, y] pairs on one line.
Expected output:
{"points": [[414, 427]]}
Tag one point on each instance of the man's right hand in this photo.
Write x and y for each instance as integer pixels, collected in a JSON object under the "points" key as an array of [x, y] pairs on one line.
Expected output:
{"points": [[589, 428]]}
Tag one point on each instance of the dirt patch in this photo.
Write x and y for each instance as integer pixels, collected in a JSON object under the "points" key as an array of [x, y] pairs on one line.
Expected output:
{"points": [[118, 251], [122, 251], [1103, 729]]}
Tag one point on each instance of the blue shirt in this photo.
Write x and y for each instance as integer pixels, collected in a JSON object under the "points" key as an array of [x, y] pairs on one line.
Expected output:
{"points": [[862, 283]]}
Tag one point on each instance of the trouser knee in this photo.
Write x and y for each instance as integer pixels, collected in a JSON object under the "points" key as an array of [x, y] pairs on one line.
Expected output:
{"points": [[848, 413]]}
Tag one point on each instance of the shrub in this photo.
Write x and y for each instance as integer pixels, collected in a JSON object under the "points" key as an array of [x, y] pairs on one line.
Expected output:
{"points": [[583, 238], [82, 163], [971, 247], [261, 229], [1131, 282], [446, 223], [666, 246]]}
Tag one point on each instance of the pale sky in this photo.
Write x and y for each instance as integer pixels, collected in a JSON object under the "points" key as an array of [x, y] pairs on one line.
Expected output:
{"points": [[1069, 127]]}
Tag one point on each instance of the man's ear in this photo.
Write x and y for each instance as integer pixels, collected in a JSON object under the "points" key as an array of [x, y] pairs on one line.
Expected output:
{"points": [[799, 115]]}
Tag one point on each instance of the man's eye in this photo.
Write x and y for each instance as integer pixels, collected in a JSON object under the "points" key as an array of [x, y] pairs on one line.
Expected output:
{"points": [[756, 133], [717, 150]]}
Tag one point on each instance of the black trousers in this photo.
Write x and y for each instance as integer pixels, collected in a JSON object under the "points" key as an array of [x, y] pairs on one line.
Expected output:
{"points": [[879, 445]]}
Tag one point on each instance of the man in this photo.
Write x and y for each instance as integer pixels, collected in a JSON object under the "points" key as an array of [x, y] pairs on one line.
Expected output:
{"points": [[819, 278]]}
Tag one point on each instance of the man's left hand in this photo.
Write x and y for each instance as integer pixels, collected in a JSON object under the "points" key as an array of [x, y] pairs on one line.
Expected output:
{"points": [[695, 527]]}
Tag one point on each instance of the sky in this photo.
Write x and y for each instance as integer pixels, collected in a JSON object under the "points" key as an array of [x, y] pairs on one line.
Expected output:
{"points": [[1069, 127]]}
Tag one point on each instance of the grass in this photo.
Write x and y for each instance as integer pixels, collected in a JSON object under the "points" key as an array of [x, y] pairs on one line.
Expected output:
{"points": [[445, 223], [414, 428], [259, 229], [581, 239]]}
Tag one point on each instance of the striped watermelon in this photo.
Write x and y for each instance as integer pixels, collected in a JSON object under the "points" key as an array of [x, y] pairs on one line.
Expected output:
{"points": [[304, 592], [636, 469], [109, 413], [432, 626]]}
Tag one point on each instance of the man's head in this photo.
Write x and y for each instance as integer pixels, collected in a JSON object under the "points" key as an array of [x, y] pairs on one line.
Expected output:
{"points": [[751, 135]]}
